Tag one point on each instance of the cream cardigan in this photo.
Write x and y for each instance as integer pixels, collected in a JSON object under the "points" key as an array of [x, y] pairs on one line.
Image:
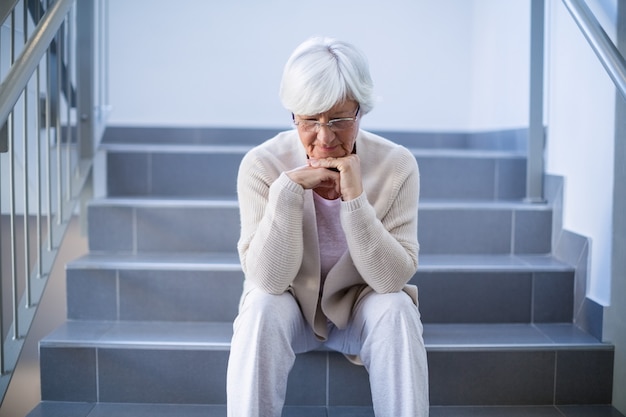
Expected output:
{"points": [[278, 246]]}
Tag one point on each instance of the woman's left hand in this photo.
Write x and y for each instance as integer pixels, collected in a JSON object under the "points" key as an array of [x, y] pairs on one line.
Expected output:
{"points": [[349, 168]]}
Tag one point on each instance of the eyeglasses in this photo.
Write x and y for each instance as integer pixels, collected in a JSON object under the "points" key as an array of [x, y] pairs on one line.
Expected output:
{"points": [[336, 125]]}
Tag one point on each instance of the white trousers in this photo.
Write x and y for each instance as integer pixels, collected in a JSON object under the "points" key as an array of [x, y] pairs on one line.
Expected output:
{"points": [[385, 331]]}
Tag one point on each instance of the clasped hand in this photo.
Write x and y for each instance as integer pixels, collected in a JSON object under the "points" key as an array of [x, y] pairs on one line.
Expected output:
{"points": [[316, 175]]}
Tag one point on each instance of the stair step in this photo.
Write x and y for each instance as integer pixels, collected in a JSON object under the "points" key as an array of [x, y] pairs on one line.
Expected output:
{"points": [[185, 363], [204, 225], [230, 261], [210, 170], [183, 287], [216, 335], [58, 409]]}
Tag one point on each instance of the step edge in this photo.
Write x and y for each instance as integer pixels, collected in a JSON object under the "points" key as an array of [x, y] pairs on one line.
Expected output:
{"points": [[105, 334]]}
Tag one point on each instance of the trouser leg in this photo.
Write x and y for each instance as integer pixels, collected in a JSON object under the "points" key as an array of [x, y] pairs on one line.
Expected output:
{"points": [[389, 330], [268, 332]]}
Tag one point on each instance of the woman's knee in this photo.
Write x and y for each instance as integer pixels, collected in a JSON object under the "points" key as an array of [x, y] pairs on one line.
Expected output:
{"points": [[389, 313], [375, 304], [264, 313]]}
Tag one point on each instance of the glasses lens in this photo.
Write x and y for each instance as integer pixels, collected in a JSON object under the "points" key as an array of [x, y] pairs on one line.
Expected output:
{"points": [[342, 125], [309, 125]]}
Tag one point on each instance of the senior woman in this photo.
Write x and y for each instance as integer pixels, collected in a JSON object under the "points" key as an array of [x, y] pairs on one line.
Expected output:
{"points": [[328, 243]]}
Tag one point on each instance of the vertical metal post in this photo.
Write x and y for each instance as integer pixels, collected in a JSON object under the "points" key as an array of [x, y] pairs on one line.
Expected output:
{"points": [[12, 195], [26, 214], [68, 100], [536, 131], [58, 136], [38, 158], [85, 77], [3, 140], [47, 145]]}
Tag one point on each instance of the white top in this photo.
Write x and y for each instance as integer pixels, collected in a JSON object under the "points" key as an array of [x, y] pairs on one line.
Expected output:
{"points": [[331, 237]]}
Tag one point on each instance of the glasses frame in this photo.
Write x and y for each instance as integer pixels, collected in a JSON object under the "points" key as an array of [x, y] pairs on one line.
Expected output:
{"points": [[314, 126]]}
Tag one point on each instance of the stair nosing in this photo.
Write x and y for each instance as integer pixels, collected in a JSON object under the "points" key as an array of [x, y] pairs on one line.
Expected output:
{"points": [[424, 204], [230, 261], [120, 335]]}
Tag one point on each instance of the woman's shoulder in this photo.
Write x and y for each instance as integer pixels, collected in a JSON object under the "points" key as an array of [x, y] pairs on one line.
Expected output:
{"points": [[278, 150], [379, 147]]}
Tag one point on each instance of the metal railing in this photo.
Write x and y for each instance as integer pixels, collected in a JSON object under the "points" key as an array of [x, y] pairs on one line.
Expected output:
{"points": [[52, 113], [606, 51], [608, 55]]}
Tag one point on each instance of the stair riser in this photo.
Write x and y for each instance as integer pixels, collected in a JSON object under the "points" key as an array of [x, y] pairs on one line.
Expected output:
{"points": [[125, 228], [205, 174], [168, 229], [445, 297], [506, 377], [154, 295], [495, 297]]}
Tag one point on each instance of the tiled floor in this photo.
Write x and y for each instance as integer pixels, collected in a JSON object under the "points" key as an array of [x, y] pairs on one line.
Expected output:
{"points": [[153, 410]]}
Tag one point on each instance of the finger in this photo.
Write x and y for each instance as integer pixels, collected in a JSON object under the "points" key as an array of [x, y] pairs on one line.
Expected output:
{"points": [[328, 163]]}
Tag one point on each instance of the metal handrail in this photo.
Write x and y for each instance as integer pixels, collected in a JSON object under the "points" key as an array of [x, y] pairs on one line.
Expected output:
{"points": [[6, 7], [52, 47], [34, 50], [606, 51], [608, 55]]}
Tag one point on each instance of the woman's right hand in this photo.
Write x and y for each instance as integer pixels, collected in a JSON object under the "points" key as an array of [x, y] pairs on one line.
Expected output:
{"points": [[323, 180]]}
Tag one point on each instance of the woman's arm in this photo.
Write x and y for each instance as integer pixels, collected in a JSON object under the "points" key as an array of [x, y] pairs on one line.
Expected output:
{"points": [[385, 251], [271, 244]]}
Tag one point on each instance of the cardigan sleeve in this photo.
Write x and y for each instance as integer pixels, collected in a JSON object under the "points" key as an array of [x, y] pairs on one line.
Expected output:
{"points": [[385, 250], [271, 242]]}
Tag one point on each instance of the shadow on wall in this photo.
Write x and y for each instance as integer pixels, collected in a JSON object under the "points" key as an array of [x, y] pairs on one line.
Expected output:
{"points": [[24, 392]]}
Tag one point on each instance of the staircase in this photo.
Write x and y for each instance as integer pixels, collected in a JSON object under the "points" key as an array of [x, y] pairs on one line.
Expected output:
{"points": [[150, 308]]}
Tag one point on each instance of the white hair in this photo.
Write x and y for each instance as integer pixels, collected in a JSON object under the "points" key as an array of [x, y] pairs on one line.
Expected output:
{"points": [[323, 72]]}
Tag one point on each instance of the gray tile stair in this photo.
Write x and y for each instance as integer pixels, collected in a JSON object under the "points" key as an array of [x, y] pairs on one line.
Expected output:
{"points": [[192, 170], [181, 287], [65, 409], [137, 225], [185, 363], [146, 334]]}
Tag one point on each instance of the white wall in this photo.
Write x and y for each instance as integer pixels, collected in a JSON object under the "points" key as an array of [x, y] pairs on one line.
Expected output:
{"points": [[580, 116], [199, 63], [446, 65]]}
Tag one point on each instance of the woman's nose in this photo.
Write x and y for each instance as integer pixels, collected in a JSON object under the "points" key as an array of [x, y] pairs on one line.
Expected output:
{"points": [[325, 135]]}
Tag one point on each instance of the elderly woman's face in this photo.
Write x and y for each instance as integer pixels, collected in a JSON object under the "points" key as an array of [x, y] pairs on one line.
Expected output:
{"points": [[333, 141]]}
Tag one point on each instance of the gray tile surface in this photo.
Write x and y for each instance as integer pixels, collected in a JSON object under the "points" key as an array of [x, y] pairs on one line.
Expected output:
{"points": [[195, 174], [181, 229], [494, 301], [460, 178], [475, 297], [111, 228], [553, 297], [179, 295], [92, 294], [533, 231], [491, 378], [584, 377], [68, 374], [157, 410], [162, 376], [455, 230], [128, 174], [52, 409]]}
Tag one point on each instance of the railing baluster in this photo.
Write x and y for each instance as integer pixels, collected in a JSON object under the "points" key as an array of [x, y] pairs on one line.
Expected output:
{"points": [[3, 131], [11, 130], [47, 148], [26, 210], [38, 157], [57, 134], [68, 100]]}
